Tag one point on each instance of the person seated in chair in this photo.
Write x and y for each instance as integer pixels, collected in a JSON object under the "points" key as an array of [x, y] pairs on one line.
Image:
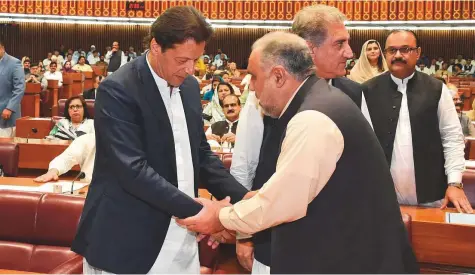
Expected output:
{"points": [[91, 94], [224, 132], [76, 120], [82, 152]]}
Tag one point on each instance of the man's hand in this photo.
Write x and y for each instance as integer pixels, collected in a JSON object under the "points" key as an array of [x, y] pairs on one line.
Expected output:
{"points": [[207, 220], [51, 175], [213, 137], [229, 137], [245, 253], [6, 114], [214, 240], [458, 198]]}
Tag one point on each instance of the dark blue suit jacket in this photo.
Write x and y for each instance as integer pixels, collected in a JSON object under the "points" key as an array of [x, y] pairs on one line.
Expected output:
{"points": [[133, 192]]}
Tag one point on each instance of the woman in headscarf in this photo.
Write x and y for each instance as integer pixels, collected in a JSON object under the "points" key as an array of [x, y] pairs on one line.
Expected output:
{"points": [[213, 112], [370, 64]]}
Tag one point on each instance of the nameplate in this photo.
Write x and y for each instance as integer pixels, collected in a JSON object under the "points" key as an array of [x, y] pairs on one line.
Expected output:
{"points": [[460, 218]]}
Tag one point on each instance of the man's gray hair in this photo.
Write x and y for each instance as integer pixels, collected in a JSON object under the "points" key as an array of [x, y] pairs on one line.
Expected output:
{"points": [[312, 22], [288, 50]]}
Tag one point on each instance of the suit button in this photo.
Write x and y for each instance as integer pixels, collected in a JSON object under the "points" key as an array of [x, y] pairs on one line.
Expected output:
{"points": [[394, 107], [391, 119], [389, 133]]}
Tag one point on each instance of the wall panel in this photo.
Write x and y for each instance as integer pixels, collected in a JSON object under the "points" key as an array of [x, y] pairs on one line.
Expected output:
{"points": [[254, 9]]}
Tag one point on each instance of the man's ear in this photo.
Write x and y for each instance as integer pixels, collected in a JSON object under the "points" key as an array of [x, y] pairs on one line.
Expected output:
{"points": [[155, 47], [279, 74]]}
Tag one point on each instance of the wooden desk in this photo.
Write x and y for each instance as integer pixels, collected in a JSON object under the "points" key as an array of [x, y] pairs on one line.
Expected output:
{"points": [[88, 80], [30, 182], [8, 271], [38, 153], [50, 103], [30, 103], [438, 245], [25, 125], [73, 84]]}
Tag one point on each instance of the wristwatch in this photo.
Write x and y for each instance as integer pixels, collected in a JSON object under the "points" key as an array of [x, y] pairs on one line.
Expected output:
{"points": [[459, 185]]}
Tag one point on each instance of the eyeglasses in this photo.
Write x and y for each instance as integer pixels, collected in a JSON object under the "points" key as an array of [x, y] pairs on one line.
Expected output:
{"points": [[75, 107], [402, 50], [230, 105]]}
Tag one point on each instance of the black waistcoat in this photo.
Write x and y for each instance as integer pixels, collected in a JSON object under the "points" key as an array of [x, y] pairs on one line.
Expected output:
{"points": [[423, 95], [222, 127], [115, 61], [354, 224], [269, 154]]}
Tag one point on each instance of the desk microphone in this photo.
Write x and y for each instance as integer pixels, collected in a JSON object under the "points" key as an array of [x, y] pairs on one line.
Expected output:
{"points": [[34, 130], [80, 176]]}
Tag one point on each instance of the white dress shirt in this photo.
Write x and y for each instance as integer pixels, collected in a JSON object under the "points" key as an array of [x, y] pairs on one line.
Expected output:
{"points": [[179, 253], [82, 152], [93, 60], [52, 76], [402, 163]]}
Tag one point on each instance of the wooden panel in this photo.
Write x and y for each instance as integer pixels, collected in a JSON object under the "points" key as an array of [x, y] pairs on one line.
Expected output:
{"points": [[25, 125], [30, 103], [242, 9]]}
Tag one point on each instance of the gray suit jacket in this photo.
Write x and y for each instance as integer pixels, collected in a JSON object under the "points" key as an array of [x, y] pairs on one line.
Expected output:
{"points": [[12, 88]]}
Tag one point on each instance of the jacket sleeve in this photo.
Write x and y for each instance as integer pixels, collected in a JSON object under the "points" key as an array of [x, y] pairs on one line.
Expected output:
{"points": [[118, 127], [18, 88]]}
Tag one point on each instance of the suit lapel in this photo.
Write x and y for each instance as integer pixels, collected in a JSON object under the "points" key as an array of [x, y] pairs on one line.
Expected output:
{"points": [[4, 63], [152, 95]]}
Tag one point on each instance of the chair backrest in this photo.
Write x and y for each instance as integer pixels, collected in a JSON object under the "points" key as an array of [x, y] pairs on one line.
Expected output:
{"points": [[227, 159], [469, 185], [38, 231], [89, 102], [9, 157]]}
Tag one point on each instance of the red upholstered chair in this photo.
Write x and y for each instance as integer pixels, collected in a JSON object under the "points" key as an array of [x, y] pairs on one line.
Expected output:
{"points": [[9, 156], [37, 230], [469, 185], [89, 102]]}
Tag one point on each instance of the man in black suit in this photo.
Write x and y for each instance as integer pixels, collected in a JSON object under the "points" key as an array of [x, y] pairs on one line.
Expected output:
{"points": [[151, 154], [91, 94]]}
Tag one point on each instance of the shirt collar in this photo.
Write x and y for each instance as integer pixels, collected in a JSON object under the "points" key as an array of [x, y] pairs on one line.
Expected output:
{"points": [[402, 82], [231, 122], [292, 98]]}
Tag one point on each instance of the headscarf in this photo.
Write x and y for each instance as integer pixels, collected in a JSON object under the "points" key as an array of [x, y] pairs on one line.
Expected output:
{"points": [[362, 71]]}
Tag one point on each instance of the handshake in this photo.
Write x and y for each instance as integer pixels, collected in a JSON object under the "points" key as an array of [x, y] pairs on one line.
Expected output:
{"points": [[207, 222]]}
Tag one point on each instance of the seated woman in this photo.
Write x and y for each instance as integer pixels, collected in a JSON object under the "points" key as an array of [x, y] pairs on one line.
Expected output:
{"points": [[82, 152], [370, 64], [227, 78], [68, 68], [213, 112], [76, 120], [208, 90], [233, 70]]}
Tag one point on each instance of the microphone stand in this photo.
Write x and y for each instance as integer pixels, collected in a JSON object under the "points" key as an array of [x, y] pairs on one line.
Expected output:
{"points": [[80, 176], [34, 130]]}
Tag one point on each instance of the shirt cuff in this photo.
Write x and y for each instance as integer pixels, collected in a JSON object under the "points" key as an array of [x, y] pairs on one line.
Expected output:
{"points": [[225, 216], [454, 177]]}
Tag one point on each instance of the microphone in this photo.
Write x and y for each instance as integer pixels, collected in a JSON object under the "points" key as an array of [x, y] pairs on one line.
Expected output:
{"points": [[34, 130], [80, 176]]}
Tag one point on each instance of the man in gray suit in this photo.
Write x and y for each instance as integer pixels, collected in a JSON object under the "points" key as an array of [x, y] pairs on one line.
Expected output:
{"points": [[12, 88]]}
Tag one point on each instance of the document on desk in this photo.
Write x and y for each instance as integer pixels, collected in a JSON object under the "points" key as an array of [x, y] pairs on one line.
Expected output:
{"points": [[460, 218], [46, 188]]}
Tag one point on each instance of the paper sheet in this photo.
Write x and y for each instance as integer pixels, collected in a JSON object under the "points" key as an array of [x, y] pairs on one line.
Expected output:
{"points": [[460, 218], [46, 188]]}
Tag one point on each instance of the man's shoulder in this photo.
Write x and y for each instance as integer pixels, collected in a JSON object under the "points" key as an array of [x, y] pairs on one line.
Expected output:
{"points": [[349, 83], [375, 80], [12, 60]]}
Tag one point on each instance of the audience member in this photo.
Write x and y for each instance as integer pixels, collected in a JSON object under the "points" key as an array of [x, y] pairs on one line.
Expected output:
{"points": [[214, 109], [52, 74], [76, 120], [47, 60], [34, 76], [115, 58], [67, 68], [93, 58], [233, 70], [26, 66], [443, 71], [91, 94], [82, 66], [465, 122], [225, 131], [227, 78], [421, 67], [370, 64], [208, 90], [210, 72], [82, 152], [78, 53]]}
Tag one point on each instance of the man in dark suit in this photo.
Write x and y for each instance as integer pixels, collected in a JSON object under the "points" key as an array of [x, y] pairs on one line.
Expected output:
{"points": [[91, 93], [151, 154]]}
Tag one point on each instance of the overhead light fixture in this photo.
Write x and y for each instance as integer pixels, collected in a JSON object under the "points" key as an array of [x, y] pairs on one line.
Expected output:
{"points": [[249, 24]]}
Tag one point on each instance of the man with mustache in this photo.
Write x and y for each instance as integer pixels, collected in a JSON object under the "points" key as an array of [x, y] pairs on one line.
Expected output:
{"points": [[416, 123], [465, 122], [225, 130]]}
